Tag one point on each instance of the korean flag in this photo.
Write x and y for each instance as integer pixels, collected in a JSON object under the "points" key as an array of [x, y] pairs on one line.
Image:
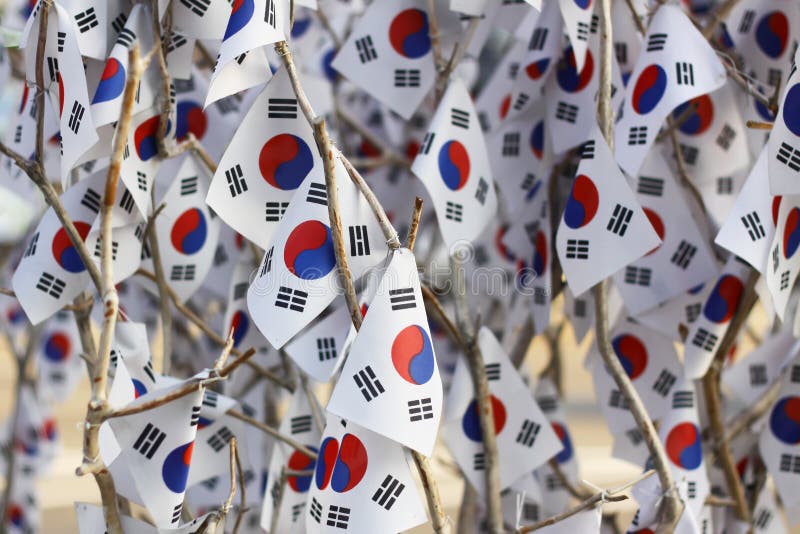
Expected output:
{"points": [[140, 160], [712, 324], [50, 273], [252, 25], [201, 19], [676, 65], [92, 25], [157, 450], [211, 449], [296, 279], [683, 442], [269, 157], [603, 227], [187, 229], [749, 229], [652, 365], [290, 496], [683, 260], [454, 167], [784, 140], [362, 483], [783, 263], [389, 54], [59, 365], [577, 15], [319, 350], [525, 438], [494, 101], [237, 318], [390, 382]]}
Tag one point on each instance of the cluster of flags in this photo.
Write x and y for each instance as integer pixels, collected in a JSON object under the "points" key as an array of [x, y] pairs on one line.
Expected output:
{"points": [[681, 210]]}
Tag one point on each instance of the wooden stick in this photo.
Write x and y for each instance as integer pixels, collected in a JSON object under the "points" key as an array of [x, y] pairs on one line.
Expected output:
{"points": [[413, 228], [296, 445], [439, 520], [163, 295], [758, 125]]}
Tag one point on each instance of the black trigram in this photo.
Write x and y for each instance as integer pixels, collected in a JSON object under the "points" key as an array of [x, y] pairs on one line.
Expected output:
{"points": [[240, 58], [282, 108], [684, 254], [338, 516], [752, 223], [236, 182], [454, 211], [579, 308], [538, 39], [527, 182], [689, 153], [50, 285], [359, 240], [183, 273], [188, 186], [481, 191], [691, 489], [86, 20], [775, 258], [220, 256], [148, 370], [492, 371], [685, 73], [210, 398], [240, 290], [530, 511], [18, 134], [317, 194], [459, 118], [198, 7], [119, 22], [387, 494], [547, 403], [520, 101], [587, 149], [511, 144], [566, 112], [368, 383], [479, 461], [618, 223], [406, 77], [293, 299], [789, 156], [621, 51], [420, 409], [552, 483], [789, 463], [149, 441], [664, 383], [528, 432], [402, 299], [76, 116], [763, 518], [656, 42], [366, 52], [125, 37], [267, 266], [639, 276], [726, 137], [297, 509], [326, 348], [176, 41], [513, 70], [784, 280], [269, 13], [724, 185], [578, 249], [425, 147], [99, 245], [683, 399], [221, 438], [595, 23], [758, 374], [617, 400], [300, 424], [635, 436], [315, 510], [126, 202], [747, 21], [275, 211], [650, 186], [61, 38], [31, 250], [176, 513], [583, 31], [637, 135]]}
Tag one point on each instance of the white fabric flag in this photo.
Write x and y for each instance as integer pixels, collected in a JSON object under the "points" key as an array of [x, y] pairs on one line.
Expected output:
{"points": [[603, 227], [751, 377], [677, 64], [389, 54], [390, 382], [784, 140], [784, 261], [577, 15], [362, 483], [454, 166], [320, 349]]}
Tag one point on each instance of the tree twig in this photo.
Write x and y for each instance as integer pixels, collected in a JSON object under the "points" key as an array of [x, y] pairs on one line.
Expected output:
{"points": [[163, 295], [296, 445], [413, 227]]}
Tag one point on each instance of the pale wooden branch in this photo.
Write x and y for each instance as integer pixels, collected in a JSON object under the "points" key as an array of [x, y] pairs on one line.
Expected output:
{"points": [[482, 393], [166, 79], [328, 156], [273, 525], [468, 510], [296, 445], [242, 493], [40, 88], [758, 125], [613, 495], [163, 295], [714, 403], [439, 521], [575, 491], [433, 32], [389, 231]]}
